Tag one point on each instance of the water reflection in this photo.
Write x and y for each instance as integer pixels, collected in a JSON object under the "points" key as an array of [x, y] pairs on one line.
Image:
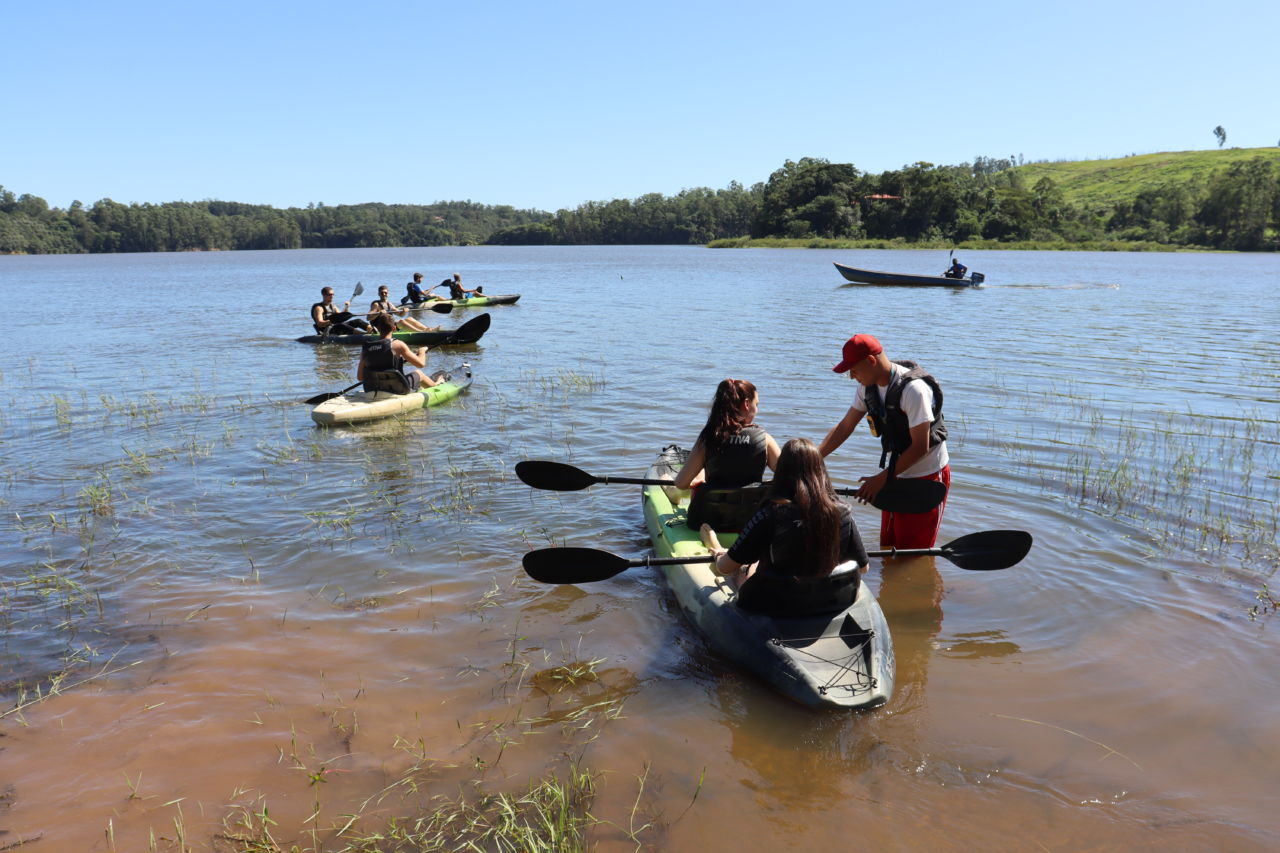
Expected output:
{"points": [[910, 595]]}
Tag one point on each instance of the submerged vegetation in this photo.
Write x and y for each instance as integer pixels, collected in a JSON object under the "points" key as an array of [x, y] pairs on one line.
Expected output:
{"points": [[1197, 484], [1224, 199]]}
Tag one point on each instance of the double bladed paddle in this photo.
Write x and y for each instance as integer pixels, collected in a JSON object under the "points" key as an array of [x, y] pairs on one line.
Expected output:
{"points": [[468, 333], [899, 495], [988, 551]]}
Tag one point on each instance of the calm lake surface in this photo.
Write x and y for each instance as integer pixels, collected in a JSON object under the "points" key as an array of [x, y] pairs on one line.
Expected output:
{"points": [[212, 607]]}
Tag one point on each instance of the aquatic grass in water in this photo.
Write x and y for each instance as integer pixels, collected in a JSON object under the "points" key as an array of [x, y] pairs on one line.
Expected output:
{"points": [[1195, 482], [549, 813]]}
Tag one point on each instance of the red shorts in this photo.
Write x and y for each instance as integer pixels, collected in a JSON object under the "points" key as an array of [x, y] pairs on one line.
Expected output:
{"points": [[915, 529]]}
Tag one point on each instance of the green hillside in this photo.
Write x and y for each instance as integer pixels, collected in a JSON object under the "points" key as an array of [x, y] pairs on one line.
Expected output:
{"points": [[1099, 184]]}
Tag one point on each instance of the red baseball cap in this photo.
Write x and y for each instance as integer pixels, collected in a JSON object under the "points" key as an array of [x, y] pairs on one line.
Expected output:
{"points": [[856, 349]]}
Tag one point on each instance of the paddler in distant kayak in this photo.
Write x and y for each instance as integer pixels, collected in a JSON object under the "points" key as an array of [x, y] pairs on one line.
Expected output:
{"points": [[387, 353], [382, 305], [415, 295], [329, 320], [456, 290], [903, 404]]}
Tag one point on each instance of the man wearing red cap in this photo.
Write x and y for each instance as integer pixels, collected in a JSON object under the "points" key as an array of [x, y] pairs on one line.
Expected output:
{"points": [[903, 405]]}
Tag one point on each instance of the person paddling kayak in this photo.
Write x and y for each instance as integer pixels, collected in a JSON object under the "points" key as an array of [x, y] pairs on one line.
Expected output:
{"points": [[903, 404], [386, 354], [415, 295], [328, 320], [382, 305], [456, 290]]}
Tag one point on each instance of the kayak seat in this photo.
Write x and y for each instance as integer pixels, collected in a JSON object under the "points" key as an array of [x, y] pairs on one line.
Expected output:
{"points": [[776, 595], [390, 381], [726, 510]]}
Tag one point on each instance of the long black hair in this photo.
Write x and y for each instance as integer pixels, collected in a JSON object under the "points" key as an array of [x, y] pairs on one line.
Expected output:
{"points": [[728, 413], [801, 477]]}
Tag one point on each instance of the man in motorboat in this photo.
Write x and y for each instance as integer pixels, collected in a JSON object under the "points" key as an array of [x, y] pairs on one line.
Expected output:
{"points": [[956, 270]]}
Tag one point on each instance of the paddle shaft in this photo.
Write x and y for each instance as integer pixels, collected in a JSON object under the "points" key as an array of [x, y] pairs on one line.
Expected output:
{"points": [[641, 481], [707, 558], [981, 552]]}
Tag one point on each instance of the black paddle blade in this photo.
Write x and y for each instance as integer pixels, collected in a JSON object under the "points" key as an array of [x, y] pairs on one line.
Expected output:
{"points": [[470, 331], [442, 307], [320, 398], [910, 495], [553, 476], [989, 550], [573, 565]]}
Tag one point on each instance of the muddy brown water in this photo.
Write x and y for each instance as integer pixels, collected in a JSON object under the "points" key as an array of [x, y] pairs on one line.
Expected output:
{"points": [[212, 608]]}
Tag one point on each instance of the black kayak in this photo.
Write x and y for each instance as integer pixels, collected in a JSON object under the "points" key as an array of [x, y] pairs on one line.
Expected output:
{"points": [[468, 333]]}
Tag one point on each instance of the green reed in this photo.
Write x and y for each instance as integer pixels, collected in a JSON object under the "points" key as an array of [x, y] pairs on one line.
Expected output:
{"points": [[1194, 482], [551, 813]]}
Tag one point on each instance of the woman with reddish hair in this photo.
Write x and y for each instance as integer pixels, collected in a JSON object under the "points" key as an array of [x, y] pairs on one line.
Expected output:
{"points": [[731, 451]]}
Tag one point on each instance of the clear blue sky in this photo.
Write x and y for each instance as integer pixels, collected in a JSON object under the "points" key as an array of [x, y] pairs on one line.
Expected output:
{"points": [[552, 104]]}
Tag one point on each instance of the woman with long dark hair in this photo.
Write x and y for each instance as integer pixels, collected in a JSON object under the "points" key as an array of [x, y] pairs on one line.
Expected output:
{"points": [[731, 451], [802, 530]]}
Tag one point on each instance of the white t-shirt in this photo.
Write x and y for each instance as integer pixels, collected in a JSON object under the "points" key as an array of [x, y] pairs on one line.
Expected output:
{"points": [[917, 404]]}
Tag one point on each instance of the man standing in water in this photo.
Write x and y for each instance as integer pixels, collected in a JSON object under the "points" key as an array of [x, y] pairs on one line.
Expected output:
{"points": [[903, 404]]}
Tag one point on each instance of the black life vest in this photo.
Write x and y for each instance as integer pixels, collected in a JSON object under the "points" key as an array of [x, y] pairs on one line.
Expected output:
{"points": [[889, 421], [738, 462], [327, 310], [378, 356], [788, 536]]}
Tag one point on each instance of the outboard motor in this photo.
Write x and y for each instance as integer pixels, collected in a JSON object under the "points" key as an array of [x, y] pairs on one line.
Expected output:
{"points": [[977, 278]]}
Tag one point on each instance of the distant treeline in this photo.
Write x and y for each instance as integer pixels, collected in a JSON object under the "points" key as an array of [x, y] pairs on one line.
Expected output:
{"points": [[28, 224], [987, 200], [1237, 207]]}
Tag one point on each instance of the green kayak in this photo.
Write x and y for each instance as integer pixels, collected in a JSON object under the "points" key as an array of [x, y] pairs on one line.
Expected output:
{"points": [[469, 302], [359, 406], [832, 650]]}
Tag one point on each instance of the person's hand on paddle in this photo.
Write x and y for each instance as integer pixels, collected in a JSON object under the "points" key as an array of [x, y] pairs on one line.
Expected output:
{"points": [[871, 487]]}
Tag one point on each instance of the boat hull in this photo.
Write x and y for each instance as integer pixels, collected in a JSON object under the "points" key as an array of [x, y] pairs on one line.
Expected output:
{"points": [[467, 333], [361, 406], [843, 660], [469, 302], [861, 276]]}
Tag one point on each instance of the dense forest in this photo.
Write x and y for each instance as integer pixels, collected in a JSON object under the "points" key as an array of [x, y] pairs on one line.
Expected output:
{"points": [[28, 224], [989, 202]]}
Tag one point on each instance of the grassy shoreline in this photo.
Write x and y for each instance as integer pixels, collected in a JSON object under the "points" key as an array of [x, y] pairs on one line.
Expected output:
{"points": [[967, 245]]}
